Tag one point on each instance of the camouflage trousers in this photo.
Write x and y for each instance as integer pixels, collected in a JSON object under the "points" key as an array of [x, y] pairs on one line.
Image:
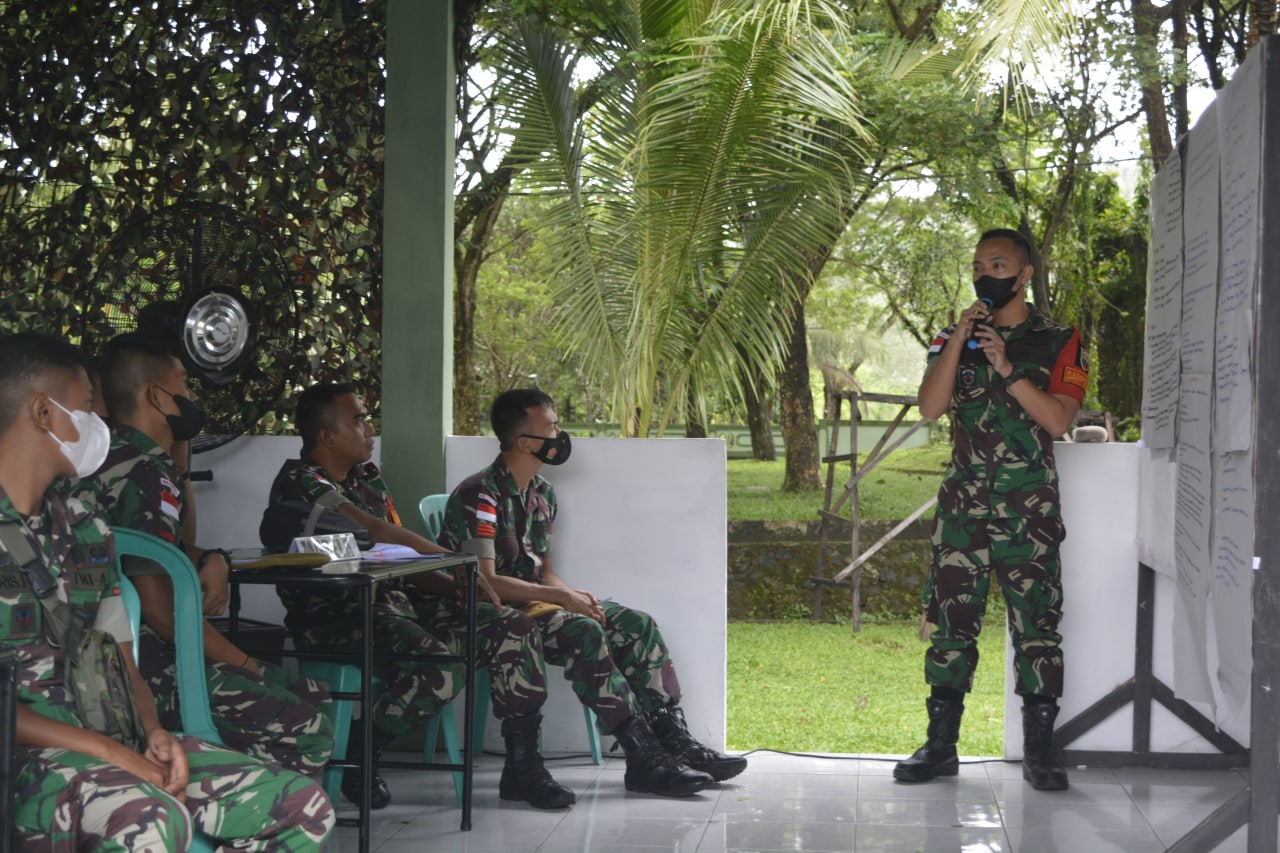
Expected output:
{"points": [[620, 669], [1022, 553], [277, 716], [68, 801], [507, 643]]}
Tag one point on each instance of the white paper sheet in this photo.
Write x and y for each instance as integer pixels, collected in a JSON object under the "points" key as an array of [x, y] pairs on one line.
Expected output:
{"points": [[1200, 232], [1240, 142], [1164, 309], [1193, 521], [1232, 577]]}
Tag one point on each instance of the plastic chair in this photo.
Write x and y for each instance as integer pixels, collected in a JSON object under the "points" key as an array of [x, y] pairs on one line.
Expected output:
{"points": [[431, 508], [193, 688]]}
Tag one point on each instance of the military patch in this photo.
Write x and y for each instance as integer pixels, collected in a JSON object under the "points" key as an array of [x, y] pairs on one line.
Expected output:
{"points": [[5, 559], [169, 505], [968, 376], [486, 516], [322, 481], [98, 555], [938, 343], [24, 619], [1075, 376], [77, 557]]}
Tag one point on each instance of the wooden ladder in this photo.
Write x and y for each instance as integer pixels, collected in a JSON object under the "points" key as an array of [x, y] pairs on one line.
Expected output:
{"points": [[850, 577]]}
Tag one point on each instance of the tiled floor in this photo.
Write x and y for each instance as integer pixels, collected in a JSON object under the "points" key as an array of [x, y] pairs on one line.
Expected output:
{"points": [[793, 803]]}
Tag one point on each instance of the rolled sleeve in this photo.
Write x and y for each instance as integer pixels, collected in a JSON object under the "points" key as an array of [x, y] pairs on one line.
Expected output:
{"points": [[482, 548], [113, 619]]}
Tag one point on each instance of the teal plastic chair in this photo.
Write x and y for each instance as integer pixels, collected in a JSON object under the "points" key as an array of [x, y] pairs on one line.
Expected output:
{"points": [[193, 689], [431, 508]]}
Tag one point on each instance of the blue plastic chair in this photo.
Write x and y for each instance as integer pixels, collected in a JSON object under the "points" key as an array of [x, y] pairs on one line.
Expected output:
{"points": [[431, 508], [188, 612]]}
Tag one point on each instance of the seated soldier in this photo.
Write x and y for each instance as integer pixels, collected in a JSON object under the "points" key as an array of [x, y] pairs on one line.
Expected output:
{"points": [[614, 656], [334, 471], [119, 784], [261, 709]]}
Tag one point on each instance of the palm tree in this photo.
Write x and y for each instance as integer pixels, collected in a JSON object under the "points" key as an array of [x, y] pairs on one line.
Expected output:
{"points": [[720, 148]]}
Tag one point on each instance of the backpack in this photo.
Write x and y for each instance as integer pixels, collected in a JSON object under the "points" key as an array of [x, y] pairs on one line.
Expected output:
{"points": [[94, 670], [287, 520]]}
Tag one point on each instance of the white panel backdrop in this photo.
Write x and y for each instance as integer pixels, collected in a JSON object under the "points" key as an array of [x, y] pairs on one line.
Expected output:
{"points": [[641, 520]]}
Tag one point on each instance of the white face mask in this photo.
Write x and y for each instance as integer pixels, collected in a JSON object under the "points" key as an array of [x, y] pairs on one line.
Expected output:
{"points": [[89, 451]]}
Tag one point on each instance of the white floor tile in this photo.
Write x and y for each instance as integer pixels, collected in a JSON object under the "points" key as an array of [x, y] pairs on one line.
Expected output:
{"points": [[808, 803]]}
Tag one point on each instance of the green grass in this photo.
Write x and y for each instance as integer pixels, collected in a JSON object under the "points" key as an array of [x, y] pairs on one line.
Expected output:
{"points": [[806, 687], [901, 483]]}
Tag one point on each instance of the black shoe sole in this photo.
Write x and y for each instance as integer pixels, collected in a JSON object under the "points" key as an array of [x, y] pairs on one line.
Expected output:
{"points": [[722, 770], [950, 768], [513, 798], [666, 792]]}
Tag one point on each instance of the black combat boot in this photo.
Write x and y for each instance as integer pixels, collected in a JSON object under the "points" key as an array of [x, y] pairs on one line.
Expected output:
{"points": [[379, 793], [938, 755], [650, 768], [524, 777], [1040, 765], [670, 730]]}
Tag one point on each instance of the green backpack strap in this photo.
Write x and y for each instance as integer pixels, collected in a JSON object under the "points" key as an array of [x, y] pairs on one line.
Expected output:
{"points": [[17, 541]]}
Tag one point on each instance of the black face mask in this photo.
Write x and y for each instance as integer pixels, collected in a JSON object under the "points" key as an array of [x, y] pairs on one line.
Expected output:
{"points": [[996, 292], [554, 451], [187, 424]]}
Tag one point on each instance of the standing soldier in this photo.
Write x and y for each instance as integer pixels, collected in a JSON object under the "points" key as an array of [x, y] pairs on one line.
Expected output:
{"points": [[96, 771], [260, 709], [334, 472], [1013, 381]]}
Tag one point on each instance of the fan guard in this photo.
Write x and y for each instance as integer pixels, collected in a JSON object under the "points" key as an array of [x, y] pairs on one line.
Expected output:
{"points": [[212, 282]]}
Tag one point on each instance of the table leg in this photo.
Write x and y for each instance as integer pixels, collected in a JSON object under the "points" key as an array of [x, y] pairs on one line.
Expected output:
{"points": [[366, 714], [468, 712]]}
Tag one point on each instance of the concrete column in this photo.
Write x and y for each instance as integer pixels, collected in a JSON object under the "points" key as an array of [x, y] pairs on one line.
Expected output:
{"points": [[417, 266]]}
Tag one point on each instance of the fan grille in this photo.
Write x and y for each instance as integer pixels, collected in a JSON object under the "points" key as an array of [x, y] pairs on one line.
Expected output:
{"points": [[198, 257]]}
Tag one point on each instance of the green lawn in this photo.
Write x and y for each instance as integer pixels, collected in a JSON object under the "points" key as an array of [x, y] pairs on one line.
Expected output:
{"points": [[806, 687], [898, 485]]}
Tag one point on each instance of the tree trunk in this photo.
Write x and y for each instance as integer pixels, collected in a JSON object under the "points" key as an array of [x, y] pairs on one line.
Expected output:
{"points": [[1147, 19], [799, 428], [468, 256], [1262, 20], [759, 407]]}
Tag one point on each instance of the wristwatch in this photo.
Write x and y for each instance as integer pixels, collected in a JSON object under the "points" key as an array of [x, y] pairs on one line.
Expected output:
{"points": [[1016, 374], [205, 555]]}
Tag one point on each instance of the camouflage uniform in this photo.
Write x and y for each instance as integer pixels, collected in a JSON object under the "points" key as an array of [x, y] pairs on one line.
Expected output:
{"points": [[408, 622], [998, 512], [276, 716], [67, 801], [619, 670]]}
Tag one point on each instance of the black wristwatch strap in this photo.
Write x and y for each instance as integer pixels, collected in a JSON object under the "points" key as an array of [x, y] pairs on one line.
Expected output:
{"points": [[205, 555], [1014, 376]]}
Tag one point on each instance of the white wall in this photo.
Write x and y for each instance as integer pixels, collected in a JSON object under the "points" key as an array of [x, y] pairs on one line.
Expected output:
{"points": [[642, 521], [1099, 484]]}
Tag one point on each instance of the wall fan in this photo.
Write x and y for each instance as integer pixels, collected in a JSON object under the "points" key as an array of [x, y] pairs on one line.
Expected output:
{"points": [[212, 282]]}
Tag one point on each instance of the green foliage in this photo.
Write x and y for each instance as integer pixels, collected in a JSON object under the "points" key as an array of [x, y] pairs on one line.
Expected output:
{"points": [[807, 687], [272, 107]]}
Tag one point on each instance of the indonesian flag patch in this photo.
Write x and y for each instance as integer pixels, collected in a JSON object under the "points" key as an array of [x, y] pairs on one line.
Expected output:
{"points": [[169, 499], [938, 343], [486, 517]]}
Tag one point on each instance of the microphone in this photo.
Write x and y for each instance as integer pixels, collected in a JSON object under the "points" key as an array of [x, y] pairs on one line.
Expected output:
{"points": [[972, 343]]}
